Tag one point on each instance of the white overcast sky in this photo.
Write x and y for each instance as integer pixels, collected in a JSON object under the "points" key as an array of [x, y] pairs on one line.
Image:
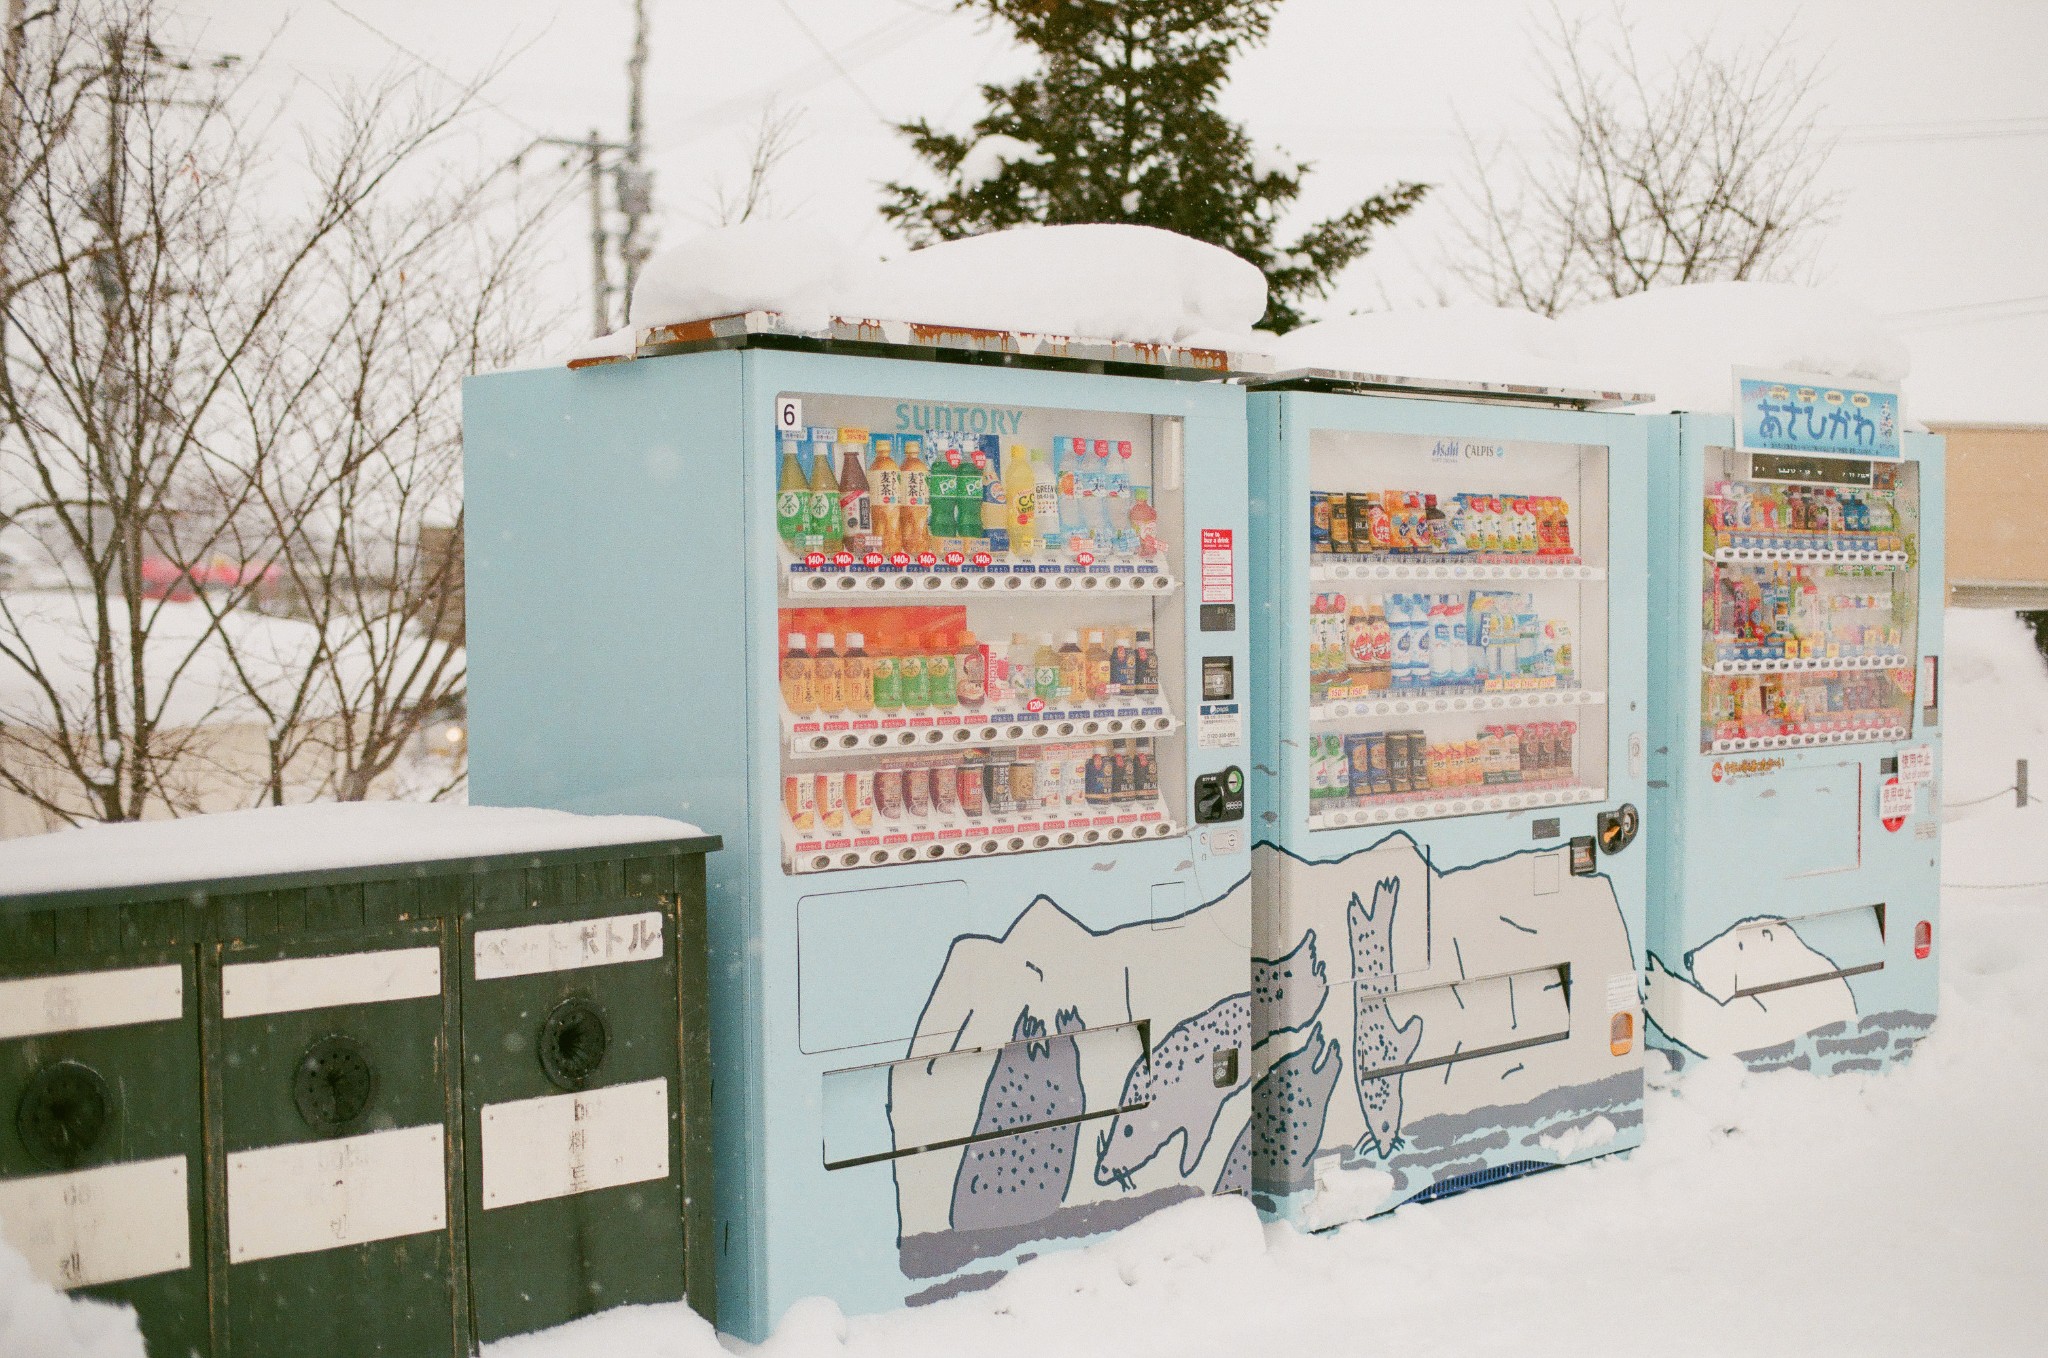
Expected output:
{"points": [[1941, 107]]}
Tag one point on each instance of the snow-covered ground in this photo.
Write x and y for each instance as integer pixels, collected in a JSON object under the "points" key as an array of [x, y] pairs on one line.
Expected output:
{"points": [[1766, 1214]]}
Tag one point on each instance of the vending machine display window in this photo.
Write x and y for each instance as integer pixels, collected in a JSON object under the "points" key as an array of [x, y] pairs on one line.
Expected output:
{"points": [[1456, 626], [981, 636], [1808, 608]]}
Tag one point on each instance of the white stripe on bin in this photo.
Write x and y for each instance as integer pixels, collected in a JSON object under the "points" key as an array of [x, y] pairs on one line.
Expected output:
{"points": [[37, 1005], [533, 949], [322, 1195], [560, 1145], [101, 1225], [292, 984]]}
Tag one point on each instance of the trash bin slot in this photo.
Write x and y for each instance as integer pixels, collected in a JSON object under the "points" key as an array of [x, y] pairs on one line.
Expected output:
{"points": [[559, 1145], [1485, 1016], [1778, 954], [294, 984], [535, 949], [323, 1195], [101, 1225], [37, 1006], [953, 1099]]}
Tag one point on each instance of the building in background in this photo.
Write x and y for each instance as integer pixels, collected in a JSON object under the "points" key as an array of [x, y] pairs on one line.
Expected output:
{"points": [[1997, 513]]}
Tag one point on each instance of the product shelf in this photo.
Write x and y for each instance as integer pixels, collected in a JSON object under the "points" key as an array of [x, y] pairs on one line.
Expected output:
{"points": [[1789, 551], [1422, 703], [1809, 739], [929, 841], [1887, 660], [1402, 807], [1329, 569], [1011, 580], [823, 738]]}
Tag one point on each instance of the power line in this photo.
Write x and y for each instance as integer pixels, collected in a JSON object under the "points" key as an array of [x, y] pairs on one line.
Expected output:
{"points": [[469, 86], [833, 59]]}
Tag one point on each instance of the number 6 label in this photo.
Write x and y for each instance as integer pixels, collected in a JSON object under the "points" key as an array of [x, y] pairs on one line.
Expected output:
{"points": [[789, 415]]}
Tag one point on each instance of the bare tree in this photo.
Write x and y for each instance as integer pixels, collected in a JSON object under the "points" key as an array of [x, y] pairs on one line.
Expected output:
{"points": [[776, 134], [223, 375], [1700, 169]]}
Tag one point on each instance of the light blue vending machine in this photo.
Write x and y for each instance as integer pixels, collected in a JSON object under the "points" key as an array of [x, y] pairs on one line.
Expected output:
{"points": [[1795, 801], [1449, 586], [951, 655]]}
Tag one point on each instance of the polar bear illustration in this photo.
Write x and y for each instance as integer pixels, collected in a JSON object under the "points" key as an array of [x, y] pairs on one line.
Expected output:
{"points": [[1706, 1014]]}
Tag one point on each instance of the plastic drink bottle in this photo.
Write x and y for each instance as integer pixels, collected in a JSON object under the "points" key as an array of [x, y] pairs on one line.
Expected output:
{"points": [[1073, 670], [857, 675], [1097, 657], [799, 691], [884, 669], [792, 498], [1145, 663], [828, 681], [856, 503], [1059, 505], [1023, 677], [1145, 522], [1045, 670], [995, 500], [939, 689], [944, 484], [917, 693], [970, 493], [1020, 488], [970, 671], [888, 495], [917, 497], [822, 532]]}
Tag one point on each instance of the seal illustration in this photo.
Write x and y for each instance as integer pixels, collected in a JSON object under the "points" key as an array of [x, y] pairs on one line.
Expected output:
{"points": [[1288, 992], [1289, 1107], [1012, 1180], [1185, 1099]]}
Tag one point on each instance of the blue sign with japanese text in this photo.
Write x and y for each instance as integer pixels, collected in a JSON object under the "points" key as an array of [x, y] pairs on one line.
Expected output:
{"points": [[1790, 413]]}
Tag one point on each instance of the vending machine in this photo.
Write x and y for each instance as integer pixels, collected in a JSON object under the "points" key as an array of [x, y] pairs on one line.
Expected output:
{"points": [[1449, 761], [947, 645], [1795, 806]]}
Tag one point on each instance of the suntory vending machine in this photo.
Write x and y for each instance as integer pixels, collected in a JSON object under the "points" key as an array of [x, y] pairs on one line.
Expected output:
{"points": [[1449, 761], [1795, 797], [949, 645]]}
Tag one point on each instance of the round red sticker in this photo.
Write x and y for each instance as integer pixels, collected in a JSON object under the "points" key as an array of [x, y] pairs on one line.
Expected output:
{"points": [[1888, 799]]}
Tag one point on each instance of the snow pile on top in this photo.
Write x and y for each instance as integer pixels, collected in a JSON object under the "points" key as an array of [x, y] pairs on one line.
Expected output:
{"points": [[1677, 344], [312, 838], [753, 266], [38, 1321], [1106, 282], [1681, 342], [986, 158], [1454, 343]]}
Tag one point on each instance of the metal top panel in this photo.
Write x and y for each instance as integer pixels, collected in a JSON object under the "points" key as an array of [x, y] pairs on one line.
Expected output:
{"points": [[1443, 389], [942, 343]]}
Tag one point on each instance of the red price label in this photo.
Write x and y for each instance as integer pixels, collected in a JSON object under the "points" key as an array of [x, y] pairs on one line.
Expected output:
{"points": [[873, 559], [843, 559], [815, 560], [956, 559], [983, 559], [900, 559], [1035, 705], [927, 559], [1085, 558]]}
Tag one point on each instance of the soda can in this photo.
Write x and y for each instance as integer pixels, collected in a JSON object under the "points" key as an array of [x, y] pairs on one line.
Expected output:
{"points": [[1123, 773], [917, 789], [968, 774], [1097, 777], [831, 796], [1319, 521], [996, 784], [1417, 754], [1024, 780], [945, 778], [1397, 762], [1341, 539], [800, 802], [860, 798], [889, 792]]}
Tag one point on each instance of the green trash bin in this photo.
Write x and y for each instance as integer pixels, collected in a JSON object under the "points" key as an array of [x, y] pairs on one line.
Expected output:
{"points": [[401, 1108]]}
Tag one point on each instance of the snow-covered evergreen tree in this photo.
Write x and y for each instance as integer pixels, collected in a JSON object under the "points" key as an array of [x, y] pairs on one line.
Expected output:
{"points": [[1120, 125]]}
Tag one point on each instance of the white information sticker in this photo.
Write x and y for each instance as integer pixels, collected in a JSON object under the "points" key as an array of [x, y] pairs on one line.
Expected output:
{"points": [[1916, 765], [36, 1005], [1621, 993], [560, 1145], [322, 1195], [789, 415], [1894, 800], [1219, 726], [102, 1225], [295, 984], [533, 949]]}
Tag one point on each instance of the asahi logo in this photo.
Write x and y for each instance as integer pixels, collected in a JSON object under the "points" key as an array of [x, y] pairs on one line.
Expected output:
{"points": [[1451, 450]]}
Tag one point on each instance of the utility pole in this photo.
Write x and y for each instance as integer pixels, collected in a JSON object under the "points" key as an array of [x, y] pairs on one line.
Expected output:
{"points": [[635, 184], [10, 124], [600, 272]]}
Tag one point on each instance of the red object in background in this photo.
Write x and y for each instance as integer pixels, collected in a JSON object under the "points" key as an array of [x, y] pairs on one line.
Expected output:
{"points": [[1923, 939], [163, 578]]}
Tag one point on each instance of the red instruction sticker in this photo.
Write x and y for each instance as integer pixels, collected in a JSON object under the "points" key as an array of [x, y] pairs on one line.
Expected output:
{"points": [[1219, 567]]}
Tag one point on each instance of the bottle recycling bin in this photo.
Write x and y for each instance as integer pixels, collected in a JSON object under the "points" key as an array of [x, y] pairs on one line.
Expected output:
{"points": [[401, 1108]]}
